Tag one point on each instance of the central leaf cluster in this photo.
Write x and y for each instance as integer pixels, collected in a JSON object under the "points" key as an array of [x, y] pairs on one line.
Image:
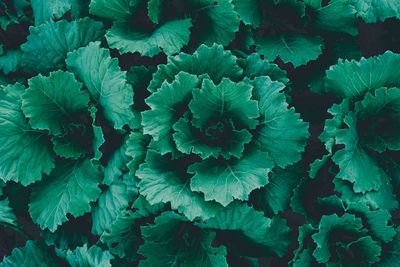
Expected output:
{"points": [[216, 130]]}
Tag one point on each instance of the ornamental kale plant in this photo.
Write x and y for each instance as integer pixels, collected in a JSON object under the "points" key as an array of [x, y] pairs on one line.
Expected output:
{"points": [[199, 133]]}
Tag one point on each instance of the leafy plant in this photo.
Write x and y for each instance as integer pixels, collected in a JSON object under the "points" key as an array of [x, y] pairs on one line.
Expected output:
{"points": [[199, 133]]}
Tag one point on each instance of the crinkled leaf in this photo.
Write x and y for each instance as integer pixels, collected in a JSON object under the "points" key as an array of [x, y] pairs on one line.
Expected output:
{"points": [[122, 238], [338, 111], [253, 66], [188, 140], [136, 148], [49, 43], [6, 214], [377, 220], [225, 100], [275, 196], [107, 85], [67, 148], [68, 189], [221, 22], [94, 256], [165, 105], [214, 61], [352, 79], [24, 154], [159, 247], [381, 199], [116, 165], [98, 138], [337, 16], [248, 11], [281, 132], [33, 254], [154, 8], [383, 102], [271, 234], [145, 209], [47, 10], [169, 38], [373, 10], [110, 9], [355, 165], [11, 61], [162, 180], [111, 203], [224, 181], [328, 223], [297, 49], [51, 102]]}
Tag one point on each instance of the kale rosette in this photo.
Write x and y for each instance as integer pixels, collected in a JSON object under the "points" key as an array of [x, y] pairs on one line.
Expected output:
{"points": [[362, 137], [153, 26], [216, 130]]}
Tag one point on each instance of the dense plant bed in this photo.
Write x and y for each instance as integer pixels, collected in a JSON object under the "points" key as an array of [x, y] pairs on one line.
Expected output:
{"points": [[199, 133]]}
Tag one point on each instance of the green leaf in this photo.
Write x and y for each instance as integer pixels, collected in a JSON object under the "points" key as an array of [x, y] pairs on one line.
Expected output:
{"points": [[377, 220], [110, 9], [337, 16], [346, 223], [49, 43], [373, 10], [338, 112], [6, 214], [390, 257], [154, 8], [281, 132], [94, 256], [355, 165], [98, 138], [303, 255], [248, 12], [122, 238], [384, 103], [163, 180], [351, 79], [297, 49], [381, 199], [221, 22], [214, 61], [350, 239], [159, 247], [51, 102], [68, 189], [188, 139], [47, 10], [224, 181], [145, 209], [165, 105], [69, 236], [169, 38], [275, 196], [67, 148], [253, 66], [107, 85], [11, 61], [270, 234], [116, 165], [24, 154], [137, 146], [111, 203], [225, 100], [33, 254]]}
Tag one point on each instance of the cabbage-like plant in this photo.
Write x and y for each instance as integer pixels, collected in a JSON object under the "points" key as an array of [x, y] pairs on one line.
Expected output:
{"points": [[217, 131], [365, 125], [153, 26]]}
